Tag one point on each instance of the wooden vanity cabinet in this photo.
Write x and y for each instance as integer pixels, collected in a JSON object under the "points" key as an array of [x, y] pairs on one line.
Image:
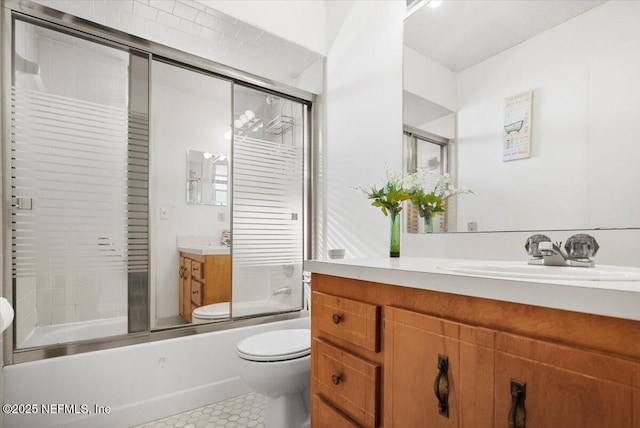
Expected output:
{"points": [[345, 371], [444, 367], [508, 364], [565, 386], [203, 280]]}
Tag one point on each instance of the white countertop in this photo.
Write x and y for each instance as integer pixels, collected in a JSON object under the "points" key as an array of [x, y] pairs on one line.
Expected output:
{"points": [[620, 299], [205, 250]]}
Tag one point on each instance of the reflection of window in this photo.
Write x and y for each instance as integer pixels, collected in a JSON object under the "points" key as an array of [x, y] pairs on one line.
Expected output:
{"points": [[220, 181], [425, 152], [204, 168]]}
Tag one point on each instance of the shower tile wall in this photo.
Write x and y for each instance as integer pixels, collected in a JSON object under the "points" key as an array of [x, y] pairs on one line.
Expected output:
{"points": [[193, 27], [56, 294], [252, 284], [257, 283]]}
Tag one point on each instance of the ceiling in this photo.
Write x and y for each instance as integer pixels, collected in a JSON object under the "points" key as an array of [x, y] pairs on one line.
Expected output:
{"points": [[461, 33]]}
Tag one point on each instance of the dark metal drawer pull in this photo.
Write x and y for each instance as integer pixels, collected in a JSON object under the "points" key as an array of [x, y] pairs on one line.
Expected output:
{"points": [[336, 319], [441, 385], [517, 413], [336, 379]]}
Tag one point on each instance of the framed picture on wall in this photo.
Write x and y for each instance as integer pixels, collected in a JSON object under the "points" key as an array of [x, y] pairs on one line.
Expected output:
{"points": [[516, 136]]}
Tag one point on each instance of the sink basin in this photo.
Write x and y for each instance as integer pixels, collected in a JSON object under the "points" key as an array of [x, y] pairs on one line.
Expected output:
{"points": [[205, 250], [524, 270]]}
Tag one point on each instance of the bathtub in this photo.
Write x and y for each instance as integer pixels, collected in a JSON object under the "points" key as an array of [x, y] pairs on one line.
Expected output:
{"points": [[72, 332], [138, 383]]}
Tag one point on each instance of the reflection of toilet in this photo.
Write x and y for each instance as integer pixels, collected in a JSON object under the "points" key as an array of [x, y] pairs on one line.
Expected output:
{"points": [[277, 364], [211, 313]]}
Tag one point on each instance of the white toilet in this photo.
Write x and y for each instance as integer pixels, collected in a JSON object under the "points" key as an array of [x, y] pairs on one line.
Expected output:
{"points": [[211, 313], [277, 364]]}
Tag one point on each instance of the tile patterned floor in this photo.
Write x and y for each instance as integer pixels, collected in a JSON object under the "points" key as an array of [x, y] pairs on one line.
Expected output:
{"points": [[245, 411]]}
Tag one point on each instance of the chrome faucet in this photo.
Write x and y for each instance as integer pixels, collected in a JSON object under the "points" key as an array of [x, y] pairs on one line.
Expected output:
{"points": [[577, 251]]}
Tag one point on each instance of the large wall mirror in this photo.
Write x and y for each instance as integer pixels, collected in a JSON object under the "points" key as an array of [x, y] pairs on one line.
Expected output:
{"points": [[572, 68]]}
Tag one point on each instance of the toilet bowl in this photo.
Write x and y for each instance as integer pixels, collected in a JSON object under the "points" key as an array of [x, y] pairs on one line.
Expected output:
{"points": [[211, 313], [276, 364]]}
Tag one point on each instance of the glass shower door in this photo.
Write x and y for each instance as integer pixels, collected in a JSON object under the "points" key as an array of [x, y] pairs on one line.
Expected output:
{"points": [[79, 161], [268, 202]]}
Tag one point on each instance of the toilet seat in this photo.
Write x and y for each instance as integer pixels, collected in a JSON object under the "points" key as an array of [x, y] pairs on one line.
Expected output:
{"points": [[215, 311], [279, 345]]}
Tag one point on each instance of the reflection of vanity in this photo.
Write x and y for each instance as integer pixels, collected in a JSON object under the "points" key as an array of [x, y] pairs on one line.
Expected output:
{"points": [[205, 278], [399, 343]]}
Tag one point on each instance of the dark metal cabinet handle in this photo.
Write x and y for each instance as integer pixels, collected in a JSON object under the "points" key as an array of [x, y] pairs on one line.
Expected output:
{"points": [[336, 379], [441, 385], [336, 319], [517, 413]]}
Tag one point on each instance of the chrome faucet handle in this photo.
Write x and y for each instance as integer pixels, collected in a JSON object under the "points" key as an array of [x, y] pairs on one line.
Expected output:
{"points": [[581, 246], [532, 244]]}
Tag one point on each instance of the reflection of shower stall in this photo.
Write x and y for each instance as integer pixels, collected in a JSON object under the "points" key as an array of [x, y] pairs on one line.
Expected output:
{"points": [[78, 239]]}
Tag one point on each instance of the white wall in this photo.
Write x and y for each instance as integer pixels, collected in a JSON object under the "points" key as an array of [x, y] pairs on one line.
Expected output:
{"points": [[429, 80], [301, 21], [364, 124], [586, 104]]}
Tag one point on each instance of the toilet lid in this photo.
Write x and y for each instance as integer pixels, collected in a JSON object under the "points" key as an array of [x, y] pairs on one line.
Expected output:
{"points": [[279, 345], [211, 312]]}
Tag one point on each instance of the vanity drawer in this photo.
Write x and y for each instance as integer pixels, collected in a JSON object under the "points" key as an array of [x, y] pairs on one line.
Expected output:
{"points": [[325, 415], [350, 320], [196, 292], [197, 269], [349, 382]]}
